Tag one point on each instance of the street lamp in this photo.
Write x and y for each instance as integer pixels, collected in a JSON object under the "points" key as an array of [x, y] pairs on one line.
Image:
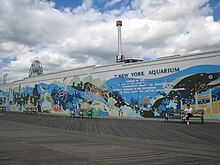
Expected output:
{"points": [[5, 76]]}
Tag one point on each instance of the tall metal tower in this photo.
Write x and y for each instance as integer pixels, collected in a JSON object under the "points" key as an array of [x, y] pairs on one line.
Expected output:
{"points": [[119, 57]]}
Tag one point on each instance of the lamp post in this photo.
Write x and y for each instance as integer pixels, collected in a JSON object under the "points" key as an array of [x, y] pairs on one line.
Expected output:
{"points": [[5, 76]]}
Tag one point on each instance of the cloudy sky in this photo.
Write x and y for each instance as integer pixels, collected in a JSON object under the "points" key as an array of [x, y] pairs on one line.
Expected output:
{"points": [[65, 34]]}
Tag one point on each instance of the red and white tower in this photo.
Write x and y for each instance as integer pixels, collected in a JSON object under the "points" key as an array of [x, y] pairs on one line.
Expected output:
{"points": [[119, 57]]}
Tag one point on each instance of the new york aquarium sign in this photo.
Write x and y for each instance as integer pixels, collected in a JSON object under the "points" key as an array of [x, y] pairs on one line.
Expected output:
{"points": [[150, 72], [162, 71]]}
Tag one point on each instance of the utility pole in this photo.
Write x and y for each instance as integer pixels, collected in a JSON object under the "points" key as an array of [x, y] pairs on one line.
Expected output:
{"points": [[5, 77]]}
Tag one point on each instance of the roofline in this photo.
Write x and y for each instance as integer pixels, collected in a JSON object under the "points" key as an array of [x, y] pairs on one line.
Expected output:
{"points": [[124, 64]]}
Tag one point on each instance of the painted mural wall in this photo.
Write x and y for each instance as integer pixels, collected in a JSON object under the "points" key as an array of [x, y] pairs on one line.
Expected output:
{"points": [[145, 89]]}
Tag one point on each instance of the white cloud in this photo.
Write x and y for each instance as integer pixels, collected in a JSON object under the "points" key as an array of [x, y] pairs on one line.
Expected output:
{"points": [[112, 3], [172, 9], [86, 6], [84, 36]]}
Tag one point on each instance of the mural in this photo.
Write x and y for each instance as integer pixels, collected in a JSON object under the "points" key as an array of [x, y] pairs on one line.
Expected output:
{"points": [[132, 97]]}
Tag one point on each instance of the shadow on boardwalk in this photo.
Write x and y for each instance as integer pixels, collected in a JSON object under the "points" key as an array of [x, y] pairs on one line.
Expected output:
{"points": [[49, 139]]}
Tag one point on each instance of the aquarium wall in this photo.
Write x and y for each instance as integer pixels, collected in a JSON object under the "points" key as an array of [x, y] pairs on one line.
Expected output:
{"points": [[143, 89]]}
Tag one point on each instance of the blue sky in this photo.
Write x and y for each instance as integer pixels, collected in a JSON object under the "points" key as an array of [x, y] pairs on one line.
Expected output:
{"points": [[7, 60], [100, 5], [60, 4], [215, 4], [64, 34]]}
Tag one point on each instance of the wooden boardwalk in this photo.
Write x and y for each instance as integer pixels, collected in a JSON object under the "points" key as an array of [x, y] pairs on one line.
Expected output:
{"points": [[49, 139]]}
